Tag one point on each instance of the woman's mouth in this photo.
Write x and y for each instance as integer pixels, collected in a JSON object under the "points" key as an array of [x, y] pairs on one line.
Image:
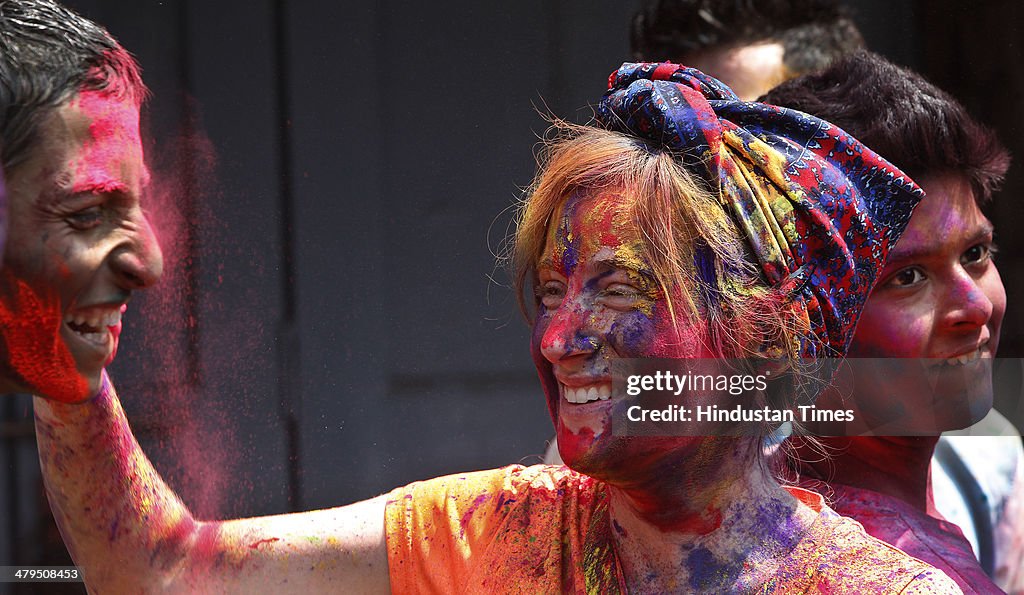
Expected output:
{"points": [[587, 394]]}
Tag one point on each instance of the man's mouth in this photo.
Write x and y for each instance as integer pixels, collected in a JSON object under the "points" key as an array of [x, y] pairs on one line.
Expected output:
{"points": [[966, 358], [95, 325]]}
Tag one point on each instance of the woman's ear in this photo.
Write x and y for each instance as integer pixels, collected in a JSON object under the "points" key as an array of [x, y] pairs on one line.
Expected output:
{"points": [[772, 367]]}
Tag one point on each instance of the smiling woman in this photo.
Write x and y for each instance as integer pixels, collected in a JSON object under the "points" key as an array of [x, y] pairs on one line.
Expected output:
{"points": [[685, 224]]}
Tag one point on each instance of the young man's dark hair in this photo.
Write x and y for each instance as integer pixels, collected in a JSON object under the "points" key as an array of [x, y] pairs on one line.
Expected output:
{"points": [[813, 33], [48, 53], [940, 298], [917, 126]]}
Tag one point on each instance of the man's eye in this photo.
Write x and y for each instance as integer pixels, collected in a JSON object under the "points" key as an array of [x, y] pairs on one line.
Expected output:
{"points": [[86, 218], [906, 278], [978, 254], [550, 293]]}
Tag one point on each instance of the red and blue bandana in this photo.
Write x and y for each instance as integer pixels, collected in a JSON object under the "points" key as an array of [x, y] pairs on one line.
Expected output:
{"points": [[819, 209]]}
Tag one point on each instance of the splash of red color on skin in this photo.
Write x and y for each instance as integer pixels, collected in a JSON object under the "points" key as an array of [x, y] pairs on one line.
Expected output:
{"points": [[114, 131], [36, 353], [207, 545], [652, 510], [575, 442], [256, 544], [178, 534]]}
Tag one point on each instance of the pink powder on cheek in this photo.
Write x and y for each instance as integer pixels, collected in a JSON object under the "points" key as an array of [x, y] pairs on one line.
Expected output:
{"points": [[892, 332], [36, 353]]}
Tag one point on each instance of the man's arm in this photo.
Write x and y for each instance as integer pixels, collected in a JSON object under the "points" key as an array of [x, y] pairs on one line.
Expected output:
{"points": [[130, 533]]}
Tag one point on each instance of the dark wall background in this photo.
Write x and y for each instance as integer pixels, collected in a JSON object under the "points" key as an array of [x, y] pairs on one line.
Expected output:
{"points": [[333, 183]]}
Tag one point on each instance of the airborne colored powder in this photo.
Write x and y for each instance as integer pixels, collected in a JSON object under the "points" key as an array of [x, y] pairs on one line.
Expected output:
{"points": [[186, 381]]}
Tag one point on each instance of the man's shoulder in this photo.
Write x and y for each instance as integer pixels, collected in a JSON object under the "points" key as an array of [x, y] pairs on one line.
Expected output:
{"points": [[838, 555]]}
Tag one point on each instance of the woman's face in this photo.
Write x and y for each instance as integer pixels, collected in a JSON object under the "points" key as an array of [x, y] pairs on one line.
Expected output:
{"points": [[598, 300]]}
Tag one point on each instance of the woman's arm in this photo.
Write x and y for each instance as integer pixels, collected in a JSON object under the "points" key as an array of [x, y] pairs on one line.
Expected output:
{"points": [[130, 533]]}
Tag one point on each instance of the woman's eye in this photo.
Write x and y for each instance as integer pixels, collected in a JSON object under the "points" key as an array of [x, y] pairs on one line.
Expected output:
{"points": [[621, 289], [550, 293], [906, 278], [86, 218], [978, 254], [621, 295]]}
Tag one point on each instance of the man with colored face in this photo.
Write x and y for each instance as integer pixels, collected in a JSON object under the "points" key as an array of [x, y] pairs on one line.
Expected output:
{"points": [[939, 298], [78, 242]]}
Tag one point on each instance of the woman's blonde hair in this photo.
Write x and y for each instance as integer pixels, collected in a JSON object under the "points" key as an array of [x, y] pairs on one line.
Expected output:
{"points": [[690, 241]]}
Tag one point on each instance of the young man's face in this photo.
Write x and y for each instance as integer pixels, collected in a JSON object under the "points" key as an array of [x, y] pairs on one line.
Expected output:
{"points": [[78, 244], [940, 296]]}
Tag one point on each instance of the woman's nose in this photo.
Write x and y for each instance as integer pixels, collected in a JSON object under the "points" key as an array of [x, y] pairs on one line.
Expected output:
{"points": [[569, 333]]}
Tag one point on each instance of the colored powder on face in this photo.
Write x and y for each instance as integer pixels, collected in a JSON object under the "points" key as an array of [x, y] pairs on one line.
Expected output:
{"points": [[633, 334], [567, 244], [114, 134], [36, 354]]}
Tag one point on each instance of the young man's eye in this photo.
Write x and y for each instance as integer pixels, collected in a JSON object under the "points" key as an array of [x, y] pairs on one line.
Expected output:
{"points": [[978, 254], [906, 278], [86, 218]]}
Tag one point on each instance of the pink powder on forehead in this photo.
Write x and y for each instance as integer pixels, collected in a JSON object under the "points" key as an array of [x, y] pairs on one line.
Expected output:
{"points": [[36, 353], [112, 137], [111, 117]]}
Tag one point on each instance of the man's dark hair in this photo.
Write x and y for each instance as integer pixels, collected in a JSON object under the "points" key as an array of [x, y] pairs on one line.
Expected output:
{"points": [[915, 125], [813, 33], [48, 54]]}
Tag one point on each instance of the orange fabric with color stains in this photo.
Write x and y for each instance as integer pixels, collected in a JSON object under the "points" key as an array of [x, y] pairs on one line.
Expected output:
{"points": [[546, 529]]}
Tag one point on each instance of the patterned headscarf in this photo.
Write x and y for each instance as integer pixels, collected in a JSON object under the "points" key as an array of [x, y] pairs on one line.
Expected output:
{"points": [[819, 210]]}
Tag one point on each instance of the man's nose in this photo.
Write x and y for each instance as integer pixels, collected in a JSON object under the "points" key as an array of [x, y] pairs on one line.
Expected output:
{"points": [[139, 263], [967, 305]]}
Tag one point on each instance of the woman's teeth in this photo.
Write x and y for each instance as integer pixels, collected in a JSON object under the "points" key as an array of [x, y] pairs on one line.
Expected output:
{"points": [[586, 394]]}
